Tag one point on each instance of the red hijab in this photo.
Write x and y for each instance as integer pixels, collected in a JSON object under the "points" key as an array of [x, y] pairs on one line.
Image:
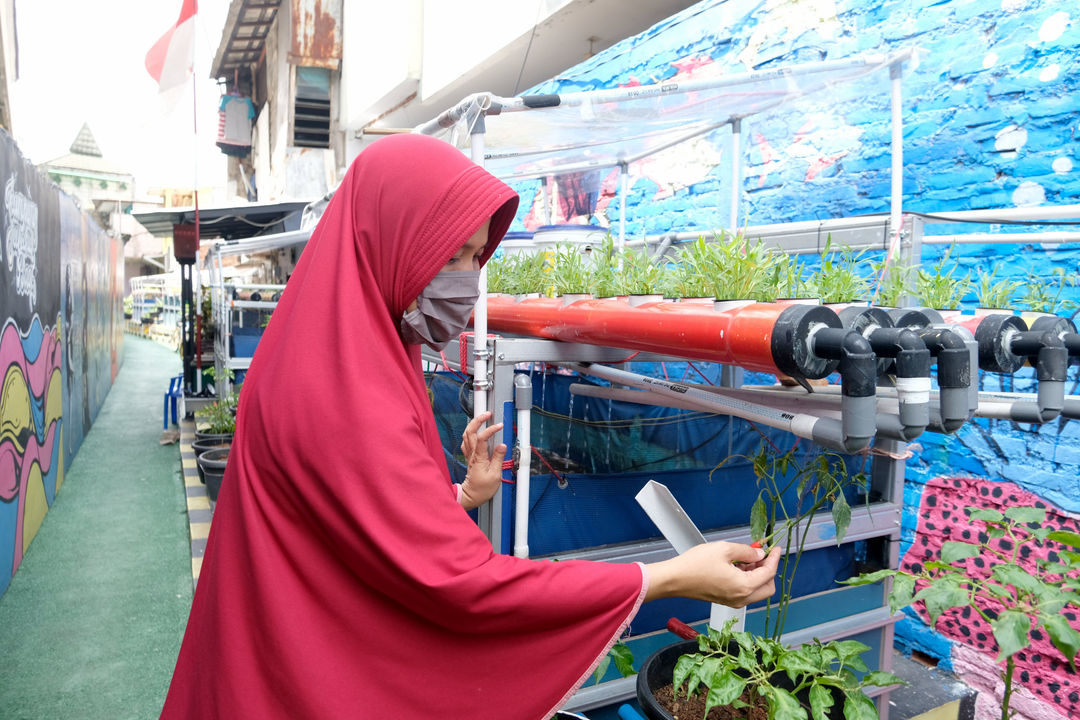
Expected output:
{"points": [[341, 578]]}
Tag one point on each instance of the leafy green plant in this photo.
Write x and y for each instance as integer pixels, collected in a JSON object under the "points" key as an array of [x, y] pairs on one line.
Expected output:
{"points": [[729, 664], [1043, 296], [893, 285], [623, 658], [500, 275], [1031, 594], [606, 280], [793, 490], [639, 274], [937, 288], [746, 269], [695, 273], [836, 279], [218, 417], [788, 278], [995, 293], [571, 271]]}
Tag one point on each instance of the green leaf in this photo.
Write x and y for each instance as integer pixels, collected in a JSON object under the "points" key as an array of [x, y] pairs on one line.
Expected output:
{"points": [[758, 518], [984, 514], [903, 590], [1065, 537], [1026, 514], [685, 667], [1064, 637], [940, 597], [857, 706], [782, 704], [1016, 576], [724, 688], [624, 659], [605, 662], [820, 702], [798, 662], [846, 650], [952, 551], [841, 513], [880, 678], [1011, 630], [868, 578]]}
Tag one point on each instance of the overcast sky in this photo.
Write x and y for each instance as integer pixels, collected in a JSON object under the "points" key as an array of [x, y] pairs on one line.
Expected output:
{"points": [[83, 61]]}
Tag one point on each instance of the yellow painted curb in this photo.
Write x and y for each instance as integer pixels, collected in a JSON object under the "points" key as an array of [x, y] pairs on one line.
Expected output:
{"points": [[200, 530], [198, 503], [192, 481], [196, 566]]}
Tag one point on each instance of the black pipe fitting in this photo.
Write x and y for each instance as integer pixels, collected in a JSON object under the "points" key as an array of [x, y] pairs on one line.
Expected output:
{"points": [[858, 364], [790, 342], [865, 320], [911, 353], [953, 359], [1064, 328], [909, 318], [995, 352]]}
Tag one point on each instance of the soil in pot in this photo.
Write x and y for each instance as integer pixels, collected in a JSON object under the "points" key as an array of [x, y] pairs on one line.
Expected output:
{"points": [[693, 707]]}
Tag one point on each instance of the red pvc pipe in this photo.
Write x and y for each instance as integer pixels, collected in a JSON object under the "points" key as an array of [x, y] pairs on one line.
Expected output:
{"points": [[740, 336]]}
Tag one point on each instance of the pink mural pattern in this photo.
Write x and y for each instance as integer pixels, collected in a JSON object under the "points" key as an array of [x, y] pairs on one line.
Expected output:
{"points": [[28, 433], [1041, 669]]}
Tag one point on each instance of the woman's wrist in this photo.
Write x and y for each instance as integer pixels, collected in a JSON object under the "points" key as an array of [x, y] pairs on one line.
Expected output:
{"points": [[662, 580]]}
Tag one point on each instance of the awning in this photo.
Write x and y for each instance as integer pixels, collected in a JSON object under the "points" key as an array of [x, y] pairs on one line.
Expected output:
{"points": [[230, 223]]}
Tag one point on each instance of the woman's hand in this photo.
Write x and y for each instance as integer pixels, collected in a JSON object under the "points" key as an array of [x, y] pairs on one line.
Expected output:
{"points": [[719, 572], [484, 469]]}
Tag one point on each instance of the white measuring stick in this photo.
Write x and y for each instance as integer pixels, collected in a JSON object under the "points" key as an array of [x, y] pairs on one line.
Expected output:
{"points": [[679, 530]]}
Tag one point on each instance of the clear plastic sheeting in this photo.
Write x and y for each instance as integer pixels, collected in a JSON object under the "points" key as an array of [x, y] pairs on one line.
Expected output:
{"points": [[539, 135]]}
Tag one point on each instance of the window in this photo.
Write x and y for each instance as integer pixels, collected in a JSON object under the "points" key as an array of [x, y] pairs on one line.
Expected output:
{"points": [[311, 111]]}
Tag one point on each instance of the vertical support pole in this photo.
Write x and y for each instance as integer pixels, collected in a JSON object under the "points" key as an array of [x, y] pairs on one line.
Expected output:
{"points": [[480, 323], [896, 149], [736, 172], [624, 188], [523, 408]]}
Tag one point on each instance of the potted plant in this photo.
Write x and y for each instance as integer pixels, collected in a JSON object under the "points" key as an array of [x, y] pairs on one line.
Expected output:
{"points": [[749, 673], [893, 286], [734, 669], [937, 288], [745, 270], [995, 294], [216, 420], [836, 280], [642, 279], [1025, 581], [571, 274], [1043, 296]]}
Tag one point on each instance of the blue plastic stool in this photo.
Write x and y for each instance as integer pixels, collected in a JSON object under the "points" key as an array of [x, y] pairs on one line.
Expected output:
{"points": [[176, 389]]}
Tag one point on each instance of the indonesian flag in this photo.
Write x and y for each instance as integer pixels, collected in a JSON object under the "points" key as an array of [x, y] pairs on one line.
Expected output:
{"points": [[170, 60]]}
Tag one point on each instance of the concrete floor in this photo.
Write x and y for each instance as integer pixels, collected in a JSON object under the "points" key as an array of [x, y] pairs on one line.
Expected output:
{"points": [[92, 621]]}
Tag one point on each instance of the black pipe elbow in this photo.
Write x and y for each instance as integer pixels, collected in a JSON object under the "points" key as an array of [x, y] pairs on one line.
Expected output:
{"points": [[1045, 350], [911, 353], [858, 363], [953, 359]]}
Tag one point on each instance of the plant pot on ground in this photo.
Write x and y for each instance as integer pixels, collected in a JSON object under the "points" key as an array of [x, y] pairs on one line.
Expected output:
{"points": [[213, 463], [211, 443]]}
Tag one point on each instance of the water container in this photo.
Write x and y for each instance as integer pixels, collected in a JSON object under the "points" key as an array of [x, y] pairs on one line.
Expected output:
{"points": [[586, 237], [514, 243]]}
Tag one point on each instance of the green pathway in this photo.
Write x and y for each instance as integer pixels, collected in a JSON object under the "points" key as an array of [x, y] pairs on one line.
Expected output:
{"points": [[91, 624]]}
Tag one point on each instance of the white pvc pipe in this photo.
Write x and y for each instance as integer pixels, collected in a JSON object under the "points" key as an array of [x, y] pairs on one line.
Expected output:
{"points": [[480, 314], [736, 167], [624, 187], [896, 191], [522, 384]]}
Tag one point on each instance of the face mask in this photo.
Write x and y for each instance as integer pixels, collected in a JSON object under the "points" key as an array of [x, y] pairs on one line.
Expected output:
{"points": [[442, 309]]}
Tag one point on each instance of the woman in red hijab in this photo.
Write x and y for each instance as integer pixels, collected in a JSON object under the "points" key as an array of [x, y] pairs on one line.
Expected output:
{"points": [[342, 577]]}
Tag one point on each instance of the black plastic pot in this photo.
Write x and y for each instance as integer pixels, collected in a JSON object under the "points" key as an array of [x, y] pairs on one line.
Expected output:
{"points": [[657, 670], [213, 467], [200, 436], [212, 443]]}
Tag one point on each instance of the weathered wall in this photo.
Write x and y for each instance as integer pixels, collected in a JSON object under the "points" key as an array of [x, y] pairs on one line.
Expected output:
{"points": [[991, 120]]}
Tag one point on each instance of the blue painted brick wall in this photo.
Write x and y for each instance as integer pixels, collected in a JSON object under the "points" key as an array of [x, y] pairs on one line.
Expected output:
{"points": [[991, 120]]}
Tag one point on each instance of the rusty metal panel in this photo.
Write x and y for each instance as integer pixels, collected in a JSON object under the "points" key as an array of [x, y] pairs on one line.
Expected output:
{"points": [[316, 33]]}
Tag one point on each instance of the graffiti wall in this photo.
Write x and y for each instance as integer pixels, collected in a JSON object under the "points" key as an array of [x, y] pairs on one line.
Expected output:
{"points": [[60, 304], [990, 120]]}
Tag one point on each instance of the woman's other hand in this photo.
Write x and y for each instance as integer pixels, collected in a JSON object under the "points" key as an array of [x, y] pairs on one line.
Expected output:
{"points": [[718, 572], [484, 469]]}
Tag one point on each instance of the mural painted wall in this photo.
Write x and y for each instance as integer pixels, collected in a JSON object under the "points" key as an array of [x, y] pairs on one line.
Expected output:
{"points": [[60, 280], [990, 120]]}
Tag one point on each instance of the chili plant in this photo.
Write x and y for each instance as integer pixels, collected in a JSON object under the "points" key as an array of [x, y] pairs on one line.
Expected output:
{"points": [[1031, 595], [792, 492], [731, 663]]}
